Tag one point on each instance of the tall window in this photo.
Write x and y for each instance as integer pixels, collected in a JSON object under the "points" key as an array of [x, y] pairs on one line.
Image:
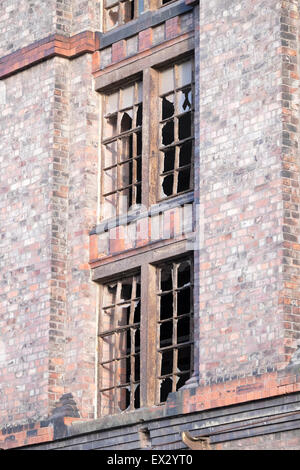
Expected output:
{"points": [[175, 326], [119, 364], [122, 150], [123, 321], [176, 129]]}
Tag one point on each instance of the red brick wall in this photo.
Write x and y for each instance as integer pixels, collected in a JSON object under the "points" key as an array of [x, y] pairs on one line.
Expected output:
{"points": [[244, 277]]}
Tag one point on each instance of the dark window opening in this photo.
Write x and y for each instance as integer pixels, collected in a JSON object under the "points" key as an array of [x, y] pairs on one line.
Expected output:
{"points": [[183, 183], [166, 334], [168, 133], [175, 325], [119, 337], [165, 389], [167, 185], [168, 107], [169, 160], [176, 129], [185, 126]]}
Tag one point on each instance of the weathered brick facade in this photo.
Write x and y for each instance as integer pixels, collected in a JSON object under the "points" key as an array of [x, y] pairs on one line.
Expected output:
{"points": [[55, 248]]}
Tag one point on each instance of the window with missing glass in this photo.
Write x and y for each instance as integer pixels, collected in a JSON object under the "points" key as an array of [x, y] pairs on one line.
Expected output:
{"points": [[176, 129], [122, 150], [119, 346], [148, 125], [145, 335], [117, 13], [174, 326]]}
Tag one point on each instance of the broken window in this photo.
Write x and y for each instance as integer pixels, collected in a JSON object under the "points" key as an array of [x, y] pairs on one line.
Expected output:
{"points": [[122, 150], [176, 129], [175, 326], [117, 13], [119, 346]]}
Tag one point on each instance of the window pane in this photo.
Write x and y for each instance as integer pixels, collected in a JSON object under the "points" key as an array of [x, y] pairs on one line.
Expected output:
{"points": [[185, 126], [110, 126], [126, 120], [112, 103], [127, 97], [169, 160], [112, 16], [110, 154], [167, 106], [167, 80], [184, 101], [110, 180], [184, 74]]}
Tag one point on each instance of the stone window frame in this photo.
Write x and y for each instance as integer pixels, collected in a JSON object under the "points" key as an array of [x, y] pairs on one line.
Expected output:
{"points": [[147, 70], [146, 265]]}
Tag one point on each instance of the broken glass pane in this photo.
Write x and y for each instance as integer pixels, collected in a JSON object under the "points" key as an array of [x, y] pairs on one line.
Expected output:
{"points": [[109, 297], [110, 154], [123, 398], [184, 273], [112, 17], [110, 126], [168, 108], [167, 185], [181, 380], [137, 312], [165, 389], [126, 121], [184, 101], [123, 315], [139, 115], [107, 319]]}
